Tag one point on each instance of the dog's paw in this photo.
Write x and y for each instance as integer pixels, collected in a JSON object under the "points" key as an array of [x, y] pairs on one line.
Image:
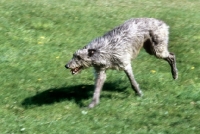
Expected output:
{"points": [[175, 75], [140, 94], [91, 105]]}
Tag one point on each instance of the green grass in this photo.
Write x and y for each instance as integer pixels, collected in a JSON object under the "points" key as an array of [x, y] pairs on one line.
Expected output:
{"points": [[38, 95]]}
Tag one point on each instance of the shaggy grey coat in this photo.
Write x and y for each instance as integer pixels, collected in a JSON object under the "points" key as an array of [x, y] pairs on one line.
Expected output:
{"points": [[118, 47]]}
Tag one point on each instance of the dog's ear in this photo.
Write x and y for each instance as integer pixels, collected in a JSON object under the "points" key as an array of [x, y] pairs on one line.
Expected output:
{"points": [[91, 52]]}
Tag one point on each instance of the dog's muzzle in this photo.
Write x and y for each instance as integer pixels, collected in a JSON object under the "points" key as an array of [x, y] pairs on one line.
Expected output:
{"points": [[67, 66]]}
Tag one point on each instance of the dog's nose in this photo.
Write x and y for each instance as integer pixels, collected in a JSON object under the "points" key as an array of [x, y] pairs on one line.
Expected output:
{"points": [[67, 66]]}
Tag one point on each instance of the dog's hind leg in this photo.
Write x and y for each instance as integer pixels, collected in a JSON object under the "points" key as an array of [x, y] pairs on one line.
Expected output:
{"points": [[99, 82], [172, 62], [159, 48], [134, 84]]}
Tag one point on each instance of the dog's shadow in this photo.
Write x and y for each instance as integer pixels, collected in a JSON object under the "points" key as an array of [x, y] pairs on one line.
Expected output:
{"points": [[76, 93]]}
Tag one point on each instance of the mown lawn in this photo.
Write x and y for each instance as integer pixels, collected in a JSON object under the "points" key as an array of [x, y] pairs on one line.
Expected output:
{"points": [[39, 96]]}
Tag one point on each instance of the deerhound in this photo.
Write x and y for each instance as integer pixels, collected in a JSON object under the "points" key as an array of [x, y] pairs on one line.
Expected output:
{"points": [[116, 49]]}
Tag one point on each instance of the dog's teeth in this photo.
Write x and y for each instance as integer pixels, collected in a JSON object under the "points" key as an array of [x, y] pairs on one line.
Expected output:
{"points": [[75, 70]]}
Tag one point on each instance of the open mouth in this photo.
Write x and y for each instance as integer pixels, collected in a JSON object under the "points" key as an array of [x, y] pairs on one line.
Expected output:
{"points": [[76, 70]]}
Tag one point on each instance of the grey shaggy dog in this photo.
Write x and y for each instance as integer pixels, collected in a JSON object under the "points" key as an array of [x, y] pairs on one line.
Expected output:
{"points": [[118, 47]]}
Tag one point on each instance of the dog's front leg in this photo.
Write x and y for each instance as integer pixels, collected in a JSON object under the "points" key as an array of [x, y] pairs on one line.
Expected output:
{"points": [[99, 81]]}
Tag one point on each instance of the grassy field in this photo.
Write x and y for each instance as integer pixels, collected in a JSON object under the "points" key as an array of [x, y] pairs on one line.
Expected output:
{"points": [[39, 96]]}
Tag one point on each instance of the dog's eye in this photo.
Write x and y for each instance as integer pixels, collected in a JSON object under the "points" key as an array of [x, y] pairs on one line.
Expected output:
{"points": [[78, 57], [91, 52]]}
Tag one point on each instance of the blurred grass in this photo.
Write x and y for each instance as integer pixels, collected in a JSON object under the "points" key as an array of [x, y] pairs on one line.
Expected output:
{"points": [[39, 96]]}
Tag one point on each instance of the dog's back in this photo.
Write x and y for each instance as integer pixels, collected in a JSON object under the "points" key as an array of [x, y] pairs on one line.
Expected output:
{"points": [[123, 43]]}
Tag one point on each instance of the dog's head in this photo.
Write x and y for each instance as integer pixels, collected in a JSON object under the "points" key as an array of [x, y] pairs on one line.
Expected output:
{"points": [[81, 59]]}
